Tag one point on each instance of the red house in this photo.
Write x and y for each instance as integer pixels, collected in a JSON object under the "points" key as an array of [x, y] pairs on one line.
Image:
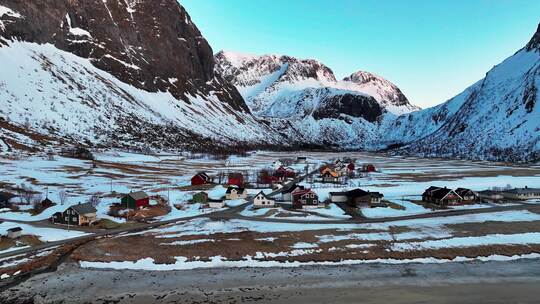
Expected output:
{"points": [[200, 178], [368, 168], [236, 179], [351, 166], [283, 173], [136, 200]]}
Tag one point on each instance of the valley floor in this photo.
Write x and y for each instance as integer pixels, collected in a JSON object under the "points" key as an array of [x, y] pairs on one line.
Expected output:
{"points": [[471, 282]]}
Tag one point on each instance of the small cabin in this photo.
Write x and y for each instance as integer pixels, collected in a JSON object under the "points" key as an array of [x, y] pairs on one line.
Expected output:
{"points": [[261, 200], [304, 199], [200, 178], [136, 200], [233, 193], [301, 160], [14, 233], [216, 203], [368, 168], [79, 215]]}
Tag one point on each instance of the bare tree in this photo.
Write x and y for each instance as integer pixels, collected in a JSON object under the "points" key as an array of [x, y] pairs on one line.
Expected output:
{"points": [[95, 200], [36, 201], [27, 194], [62, 196]]}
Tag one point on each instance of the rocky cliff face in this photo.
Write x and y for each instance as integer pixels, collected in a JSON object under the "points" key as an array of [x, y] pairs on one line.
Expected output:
{"points": [[117, 73], [152, 45]]}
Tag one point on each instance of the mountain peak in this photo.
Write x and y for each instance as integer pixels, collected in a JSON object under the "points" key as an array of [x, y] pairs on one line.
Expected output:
{"points": [[534, 44]]}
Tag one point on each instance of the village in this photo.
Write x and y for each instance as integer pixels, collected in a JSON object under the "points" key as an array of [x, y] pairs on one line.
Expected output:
{"points": [[288, 190]]}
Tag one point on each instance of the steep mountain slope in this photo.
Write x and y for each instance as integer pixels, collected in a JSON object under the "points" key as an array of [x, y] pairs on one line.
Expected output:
{"points": [[90, 69], [497, 118], [304, 98]]}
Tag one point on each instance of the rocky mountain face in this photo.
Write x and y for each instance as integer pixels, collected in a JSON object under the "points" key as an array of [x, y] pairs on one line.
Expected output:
{"points": [[120, 37], [497, 118], [130, 72]]}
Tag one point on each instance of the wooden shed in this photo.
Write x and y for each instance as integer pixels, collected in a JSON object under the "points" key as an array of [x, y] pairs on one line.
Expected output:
{"points": [[136, 200]]}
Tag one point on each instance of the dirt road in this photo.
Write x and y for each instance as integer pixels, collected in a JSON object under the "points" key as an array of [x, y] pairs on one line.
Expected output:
{"points": [[473, 282]]}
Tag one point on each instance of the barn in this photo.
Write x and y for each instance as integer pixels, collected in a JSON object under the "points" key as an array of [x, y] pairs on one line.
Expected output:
{"points": [[136, 200], [236, 179], [200, 178]]}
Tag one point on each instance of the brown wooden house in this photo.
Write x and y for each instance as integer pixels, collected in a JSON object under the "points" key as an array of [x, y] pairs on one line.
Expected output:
{"points": [[441, 196], [304, 198]]}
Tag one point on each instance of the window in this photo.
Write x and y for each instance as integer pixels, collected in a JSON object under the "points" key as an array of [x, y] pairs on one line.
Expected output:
{"points": [[66, 218], [74, 219]]}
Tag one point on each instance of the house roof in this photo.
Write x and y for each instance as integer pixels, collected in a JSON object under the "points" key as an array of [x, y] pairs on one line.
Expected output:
{"points": [[332, 173], [441, 193], [236, 175], [301, 192], [263, 194], [138, 195], [84, 208], [357, 193], [238, 189], [464, 191], [523, 190], [291, 188], [203, 175], [14, 229]]}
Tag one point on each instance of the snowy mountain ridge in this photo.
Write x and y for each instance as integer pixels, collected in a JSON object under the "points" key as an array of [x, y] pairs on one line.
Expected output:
{"points": [[88, 72], [497, 118], [263, 80]]}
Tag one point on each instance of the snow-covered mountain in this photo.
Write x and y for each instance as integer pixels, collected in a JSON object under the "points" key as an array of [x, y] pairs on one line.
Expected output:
{"points": [[264, 80], [304, 99], [89, 71], [497, 118]]}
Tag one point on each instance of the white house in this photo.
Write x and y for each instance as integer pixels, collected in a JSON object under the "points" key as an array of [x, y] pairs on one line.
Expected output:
{"points": [[235, 193], [522, 193], [14, 233], [261, 200]]}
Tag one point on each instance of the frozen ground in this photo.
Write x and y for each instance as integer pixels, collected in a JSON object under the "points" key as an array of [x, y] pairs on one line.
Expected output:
{"points": [[401, 180]]}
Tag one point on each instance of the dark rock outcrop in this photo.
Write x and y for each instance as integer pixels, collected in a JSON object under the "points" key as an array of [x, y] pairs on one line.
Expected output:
{"points": [[151, 44]]}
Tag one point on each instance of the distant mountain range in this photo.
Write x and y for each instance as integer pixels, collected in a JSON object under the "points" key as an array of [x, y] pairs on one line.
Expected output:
{"points": [[138, 74]]}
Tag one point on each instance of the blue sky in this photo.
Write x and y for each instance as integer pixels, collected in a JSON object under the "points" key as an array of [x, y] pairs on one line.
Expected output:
{"points": [[432, 50]]}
